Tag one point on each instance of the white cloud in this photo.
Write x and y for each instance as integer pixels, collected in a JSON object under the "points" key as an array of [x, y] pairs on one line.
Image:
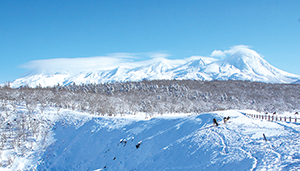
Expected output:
{"points": [[124, 55], [159, 55], [76, 64], [238, 48], [243, 49], [107, 62], [218, 54]]}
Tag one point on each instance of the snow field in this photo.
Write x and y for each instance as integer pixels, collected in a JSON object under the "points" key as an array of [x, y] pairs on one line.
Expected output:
{"points": [[70, 140]]}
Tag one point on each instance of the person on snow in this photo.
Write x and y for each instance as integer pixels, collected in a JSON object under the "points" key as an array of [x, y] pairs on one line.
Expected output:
{"points": [[226, 119], [138, 145], [215, 122]]}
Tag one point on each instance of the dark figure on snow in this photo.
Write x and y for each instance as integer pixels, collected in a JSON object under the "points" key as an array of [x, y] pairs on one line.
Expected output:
{"points": [[123, 142], [138, 145], [226, 119], [215, 122], [265, 138]]}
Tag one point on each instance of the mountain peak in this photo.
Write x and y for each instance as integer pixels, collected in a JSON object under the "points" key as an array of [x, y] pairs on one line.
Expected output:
{"points": [[243, 52], [242, 63], [246, 59]]}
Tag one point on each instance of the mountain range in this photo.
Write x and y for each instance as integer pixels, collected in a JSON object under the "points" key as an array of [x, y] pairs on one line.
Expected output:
{"points": [[242, 64]]}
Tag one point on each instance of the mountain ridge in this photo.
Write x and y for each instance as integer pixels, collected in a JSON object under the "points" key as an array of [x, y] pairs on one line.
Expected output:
{"points": [[241, 64]]}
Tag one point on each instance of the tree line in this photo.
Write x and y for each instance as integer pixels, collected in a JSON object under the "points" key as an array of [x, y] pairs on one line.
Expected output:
{"points": [[158, 97]]}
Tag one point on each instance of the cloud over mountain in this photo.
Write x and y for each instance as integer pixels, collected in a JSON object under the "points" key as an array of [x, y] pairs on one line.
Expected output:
{"points": [[75, 65], [239, 63]]}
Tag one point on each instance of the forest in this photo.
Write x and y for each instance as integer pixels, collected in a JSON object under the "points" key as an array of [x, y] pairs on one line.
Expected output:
{"points": [[157, 97]]}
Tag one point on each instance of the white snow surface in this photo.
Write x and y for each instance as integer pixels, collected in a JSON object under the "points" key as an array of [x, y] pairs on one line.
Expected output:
{"points": [[242, 64], [79, 141]]}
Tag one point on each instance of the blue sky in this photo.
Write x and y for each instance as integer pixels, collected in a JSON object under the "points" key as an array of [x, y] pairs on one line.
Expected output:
{"points": [[36, 30]]}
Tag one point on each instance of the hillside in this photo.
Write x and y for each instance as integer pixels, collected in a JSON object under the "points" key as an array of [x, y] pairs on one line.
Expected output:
{"points": [[68, 140], [241, 64]]}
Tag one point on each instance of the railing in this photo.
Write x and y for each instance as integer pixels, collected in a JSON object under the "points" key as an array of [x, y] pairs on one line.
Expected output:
{"points": [[274, 117]]}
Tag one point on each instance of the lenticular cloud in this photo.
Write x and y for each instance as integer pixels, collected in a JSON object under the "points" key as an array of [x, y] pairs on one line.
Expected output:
{"points": [[243, 49], [74, 65]]}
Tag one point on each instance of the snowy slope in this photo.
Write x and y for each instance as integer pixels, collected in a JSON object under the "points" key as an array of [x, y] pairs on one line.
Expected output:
{"points": [[246, 64], [296, 82], [241, 64], [41, 79], [183, 143], [78, 141]]}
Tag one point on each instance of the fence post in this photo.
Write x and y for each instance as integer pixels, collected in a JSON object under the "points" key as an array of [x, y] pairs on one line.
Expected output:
{"points": [[290, 119], [285, 118], [269, 118]]}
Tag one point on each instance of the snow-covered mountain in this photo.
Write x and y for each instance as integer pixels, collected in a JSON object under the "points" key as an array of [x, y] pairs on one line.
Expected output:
{"points": [[296, 82], [241, 64]]}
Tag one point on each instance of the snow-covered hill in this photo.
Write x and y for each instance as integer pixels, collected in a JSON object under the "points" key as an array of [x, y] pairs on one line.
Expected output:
{"points": [[296, 82], [68, 140], [241, 64]]}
